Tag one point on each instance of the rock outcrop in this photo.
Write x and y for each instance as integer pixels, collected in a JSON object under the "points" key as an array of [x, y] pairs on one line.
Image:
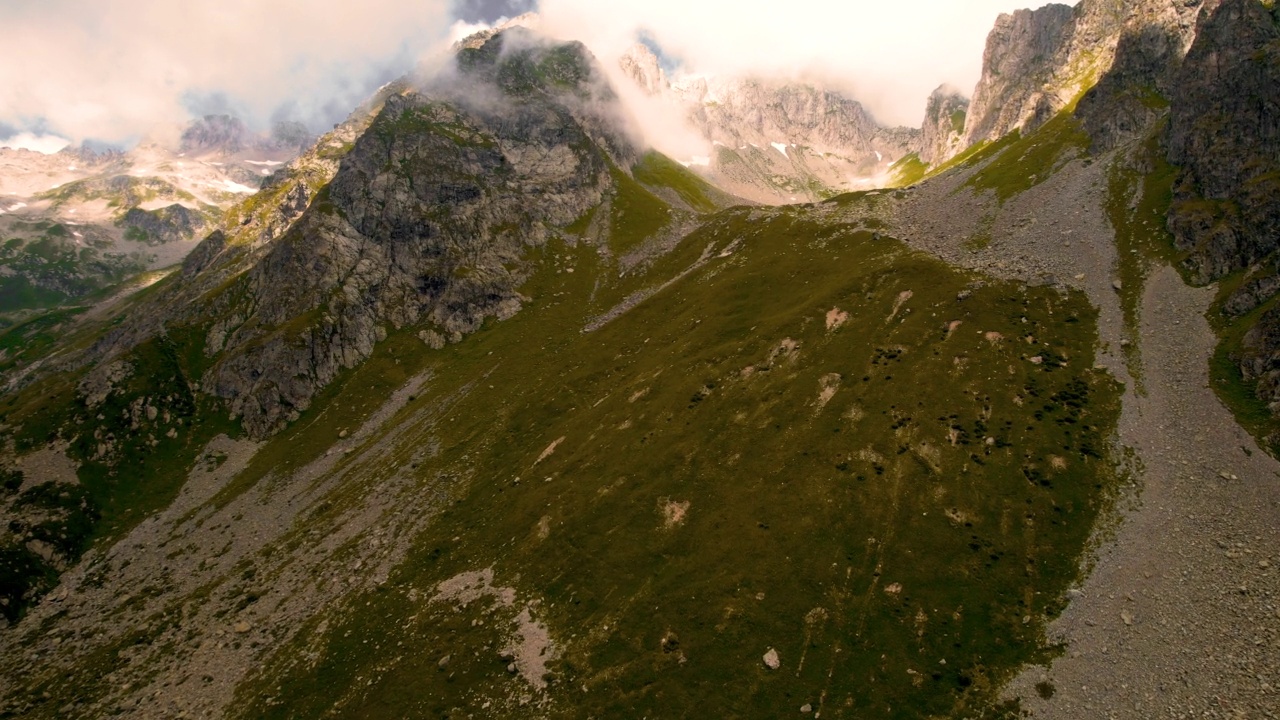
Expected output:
{"points": [[942, 131], [426, 223], [1224, 134], [1134, 93], [166, 224], [1039, 62], [227, 134], [1025, 51]]}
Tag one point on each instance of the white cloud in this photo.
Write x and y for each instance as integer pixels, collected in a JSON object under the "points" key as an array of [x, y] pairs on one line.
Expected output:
{"points": [[888, 55], [47, 144], [113, 69]]}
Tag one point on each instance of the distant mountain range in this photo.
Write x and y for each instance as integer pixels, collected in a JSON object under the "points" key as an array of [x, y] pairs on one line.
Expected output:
{"points": [[78, 221]]}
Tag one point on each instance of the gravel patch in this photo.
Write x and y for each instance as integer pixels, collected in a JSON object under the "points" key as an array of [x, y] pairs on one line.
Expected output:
{"points": [[1179, 615]]}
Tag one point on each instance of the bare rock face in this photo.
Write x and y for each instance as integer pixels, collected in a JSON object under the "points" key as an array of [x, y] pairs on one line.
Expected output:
{"points": [[943, 128], [1224, 132], [426, 223], [1024, 52], [1134, 93], [641, 65], [217, 132], [165, 224], [229, 135], [1038, 62]]}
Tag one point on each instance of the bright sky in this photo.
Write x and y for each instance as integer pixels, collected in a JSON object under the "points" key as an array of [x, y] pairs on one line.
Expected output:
{"points": [[113, 70]]}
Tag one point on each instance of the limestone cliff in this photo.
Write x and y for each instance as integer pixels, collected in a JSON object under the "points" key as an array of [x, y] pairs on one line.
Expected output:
{"points": [[1224, 133], [1038, 62], [943, 128], [1024, 52], [774, 140]]}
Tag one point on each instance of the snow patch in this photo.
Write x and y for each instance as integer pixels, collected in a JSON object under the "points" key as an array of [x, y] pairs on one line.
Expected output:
{"points": [[268, 163], [700, 160], [879, 157], [235, 187], [781, 147]]}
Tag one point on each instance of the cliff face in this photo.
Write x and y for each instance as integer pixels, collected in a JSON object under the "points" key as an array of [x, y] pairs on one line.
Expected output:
{"points": [[942, 131], [426, 223], [1135, 91], [774, 141], [1224, 133], [1024, 52], [1038, 62]]}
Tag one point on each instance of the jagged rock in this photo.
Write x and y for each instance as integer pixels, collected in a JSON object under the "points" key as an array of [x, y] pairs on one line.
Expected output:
{"points": [[1250, 295], [1038, 62], [1024, 51], [427, 221], [943, 128], [1133, 94], [101, 381], [202, 255], [1224, 131], [216, 132]]}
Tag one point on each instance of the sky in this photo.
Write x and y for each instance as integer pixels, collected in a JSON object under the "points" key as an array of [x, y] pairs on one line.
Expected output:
{"points": [[118, 71]]}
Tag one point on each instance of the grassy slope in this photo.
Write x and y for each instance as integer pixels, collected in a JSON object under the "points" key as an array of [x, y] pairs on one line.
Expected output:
{"points": [[907, 171], [800, 516], [1028, 161], [945, 467], [659, 171]]}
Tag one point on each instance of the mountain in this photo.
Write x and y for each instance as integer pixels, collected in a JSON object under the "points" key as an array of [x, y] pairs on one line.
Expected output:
{"points": [[774, 141], [1038, 62], [480, 408], [942, 131], [78, 223]]}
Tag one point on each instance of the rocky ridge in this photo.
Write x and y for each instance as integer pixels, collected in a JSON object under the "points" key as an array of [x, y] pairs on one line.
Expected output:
{"points": [[1038, 62], [942, 132], [774, 141], [400, 251], [303, 281]]}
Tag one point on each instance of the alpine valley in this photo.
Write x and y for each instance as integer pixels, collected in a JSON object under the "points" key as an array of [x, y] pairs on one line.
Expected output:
{"points": [[476, 406]]}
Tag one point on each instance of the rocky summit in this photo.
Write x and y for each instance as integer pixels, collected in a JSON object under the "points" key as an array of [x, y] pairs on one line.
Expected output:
{"points": [[477, 406]]}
